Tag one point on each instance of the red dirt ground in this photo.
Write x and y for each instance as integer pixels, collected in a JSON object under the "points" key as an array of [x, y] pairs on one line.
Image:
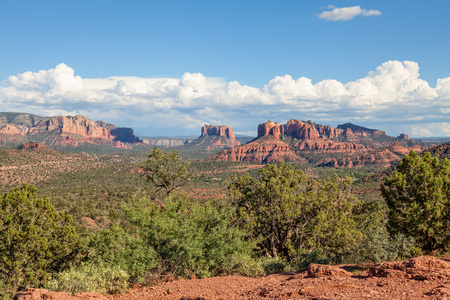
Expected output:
{"points": [[423, 277]]}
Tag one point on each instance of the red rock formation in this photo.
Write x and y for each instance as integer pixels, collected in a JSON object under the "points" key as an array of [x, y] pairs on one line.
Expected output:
{"points": [[300, 130], [74, 125], [34, 146], [270, 128], [351, 145], [266, 150], [9, 129], [327, 145], [383, 156], [65, 132], [125, 135], [221, 130]]}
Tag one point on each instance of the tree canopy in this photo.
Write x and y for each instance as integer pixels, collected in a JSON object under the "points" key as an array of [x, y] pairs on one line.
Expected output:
{"points": [[418, 196], [35, 239], [166, 170], [285, 212]]}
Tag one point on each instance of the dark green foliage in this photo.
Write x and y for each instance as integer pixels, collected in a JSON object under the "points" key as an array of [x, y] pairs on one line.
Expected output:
{"points": [[166, 171], [35, 240], [117, 247], [418, 197], [287, 213], [272, 206], [192, 238]]}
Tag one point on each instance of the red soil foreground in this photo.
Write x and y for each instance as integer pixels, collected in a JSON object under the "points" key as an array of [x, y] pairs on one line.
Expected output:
{"points": [[423, 277]]}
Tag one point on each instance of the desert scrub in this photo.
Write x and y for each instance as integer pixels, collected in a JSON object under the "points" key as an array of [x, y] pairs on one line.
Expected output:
{"points": [[192, 238], [90, 278], [117, 247]]}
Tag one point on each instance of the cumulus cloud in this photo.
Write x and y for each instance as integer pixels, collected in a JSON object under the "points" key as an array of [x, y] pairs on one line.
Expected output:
{"points": [[346, 13], [391, 96]]}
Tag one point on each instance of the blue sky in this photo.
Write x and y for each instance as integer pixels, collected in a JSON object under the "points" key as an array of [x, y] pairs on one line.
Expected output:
{"points": [[166, 67]]}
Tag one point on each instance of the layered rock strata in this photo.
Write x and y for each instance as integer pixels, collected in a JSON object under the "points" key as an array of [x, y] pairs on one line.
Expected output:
{"points": [[348, 145], [62, 131]]}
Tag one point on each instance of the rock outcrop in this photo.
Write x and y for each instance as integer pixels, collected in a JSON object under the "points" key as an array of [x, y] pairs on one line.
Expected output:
{"points": [[62, 131], [213, 137], [125, 135], [34, 147], [419, 268], [264, 150], [311, 131], [166, 142], [320, 271], [219, 130], [350, 145]]}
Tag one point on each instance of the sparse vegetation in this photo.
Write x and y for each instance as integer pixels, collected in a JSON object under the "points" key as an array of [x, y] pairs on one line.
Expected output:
{"points": [[228, 218]]}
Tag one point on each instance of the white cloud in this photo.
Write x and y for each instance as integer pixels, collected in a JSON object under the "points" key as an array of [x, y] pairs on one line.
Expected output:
{"points": [[346, 13], [391, 96]]}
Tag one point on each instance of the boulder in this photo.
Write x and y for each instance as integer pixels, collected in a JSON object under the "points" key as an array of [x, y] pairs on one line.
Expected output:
{"points": [[317, 271]]}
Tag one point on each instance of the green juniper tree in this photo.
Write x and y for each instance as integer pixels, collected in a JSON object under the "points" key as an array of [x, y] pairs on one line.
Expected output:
{"points": [[35, 240], [285, 212], [418, 197], [166, 171]]}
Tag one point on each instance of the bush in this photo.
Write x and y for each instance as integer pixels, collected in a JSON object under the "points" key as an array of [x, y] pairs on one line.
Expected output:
{"points": [[285, 212], [35, 240], [117, 247], [192, 239], [380, 246], [418, 197], [90, 278]]}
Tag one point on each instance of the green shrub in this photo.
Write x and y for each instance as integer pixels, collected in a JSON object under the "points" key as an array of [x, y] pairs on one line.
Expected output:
{"points": [[192, 239], [418, 197], [118, 247], [379, 246], [35, 239], [286, 212], [90, 278], [275, 265], [304, 258]]}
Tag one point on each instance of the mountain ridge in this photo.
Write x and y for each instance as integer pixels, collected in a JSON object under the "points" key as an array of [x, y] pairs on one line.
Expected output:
{"points": [[321, 145], [62, 131]]}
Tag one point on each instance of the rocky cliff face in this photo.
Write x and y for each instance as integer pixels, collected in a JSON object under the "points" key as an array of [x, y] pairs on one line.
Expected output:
{"points": [[166, 142], [348, 145], [221, 130], [312, 131], [78, 125], [264, 150], [62, 131], [125, 135], [214, 137]]}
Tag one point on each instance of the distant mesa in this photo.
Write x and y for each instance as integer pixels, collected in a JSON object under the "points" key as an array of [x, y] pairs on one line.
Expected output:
{"points": [[62, 131], [355, 129], [219, 130], [125, 135], [212, 138], [166, 142], [348, 145]]}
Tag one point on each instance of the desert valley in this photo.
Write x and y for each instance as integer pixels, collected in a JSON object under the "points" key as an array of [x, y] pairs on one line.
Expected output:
{"points": [[94, 172]]}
